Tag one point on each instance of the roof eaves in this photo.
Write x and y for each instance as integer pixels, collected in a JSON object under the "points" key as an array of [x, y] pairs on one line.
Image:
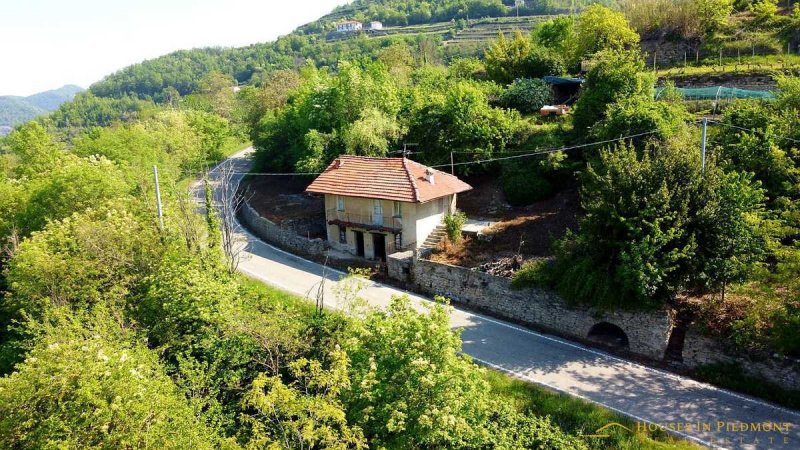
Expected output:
{"points": [[411, 180]]}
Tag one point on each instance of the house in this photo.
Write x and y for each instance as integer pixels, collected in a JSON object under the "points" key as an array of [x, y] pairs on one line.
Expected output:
{"points": [[376, 206], [348, 26], [374, 26]]}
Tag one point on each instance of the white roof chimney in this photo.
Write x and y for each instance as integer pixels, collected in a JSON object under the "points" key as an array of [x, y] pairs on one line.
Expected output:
{"points": [[429, 176]]}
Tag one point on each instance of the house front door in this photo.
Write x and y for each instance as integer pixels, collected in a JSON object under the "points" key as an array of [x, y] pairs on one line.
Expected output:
{"points": [[377, 212], [359, 235], [379, 246]]}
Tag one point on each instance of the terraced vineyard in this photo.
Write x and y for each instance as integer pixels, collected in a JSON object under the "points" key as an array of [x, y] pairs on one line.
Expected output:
{"points": [[474, 37], [485, 30]]}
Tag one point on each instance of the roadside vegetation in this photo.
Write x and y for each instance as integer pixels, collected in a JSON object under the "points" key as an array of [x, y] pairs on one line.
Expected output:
{"points": [[102, 309]]}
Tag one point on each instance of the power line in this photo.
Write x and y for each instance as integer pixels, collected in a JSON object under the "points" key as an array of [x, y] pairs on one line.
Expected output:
{"points": [[544, 152], [752, 131]]}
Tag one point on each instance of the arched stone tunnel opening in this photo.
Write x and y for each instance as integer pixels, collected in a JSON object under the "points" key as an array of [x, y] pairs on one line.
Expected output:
{"points": [[608, 334]]}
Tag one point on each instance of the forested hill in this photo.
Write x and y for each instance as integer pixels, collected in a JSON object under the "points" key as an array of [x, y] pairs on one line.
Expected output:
{"points": [[15, 110], [182, 70], [414, 12]]}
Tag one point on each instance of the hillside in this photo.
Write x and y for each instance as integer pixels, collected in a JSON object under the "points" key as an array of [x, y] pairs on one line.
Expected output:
{"points": [[470, 26], [15, 110], [673, 36]]}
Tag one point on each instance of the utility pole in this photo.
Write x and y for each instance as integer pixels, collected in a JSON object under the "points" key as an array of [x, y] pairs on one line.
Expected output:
{"points": [[703, 145], [158, 199], [452, 166]]}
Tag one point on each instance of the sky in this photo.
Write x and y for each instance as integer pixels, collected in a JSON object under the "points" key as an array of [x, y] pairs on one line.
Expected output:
{"points": [[45, 44]]}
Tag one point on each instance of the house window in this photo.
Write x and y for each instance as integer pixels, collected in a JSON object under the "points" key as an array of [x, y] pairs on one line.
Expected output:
{"points": [[377, 212], [398, 241], [342, 235], [339, 203], [397, 209]]}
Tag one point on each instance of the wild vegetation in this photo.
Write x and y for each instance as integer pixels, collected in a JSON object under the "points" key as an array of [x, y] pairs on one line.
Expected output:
{"points": [[104, 310]]}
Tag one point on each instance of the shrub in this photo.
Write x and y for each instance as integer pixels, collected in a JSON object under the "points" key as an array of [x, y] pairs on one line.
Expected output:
{"points": [[635, 115], [453, 223], [613, 76], [532, 273], [527, 95], [656, 227]]}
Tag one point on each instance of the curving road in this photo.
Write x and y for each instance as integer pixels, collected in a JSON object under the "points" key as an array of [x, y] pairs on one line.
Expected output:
{"points": [[642, 393]]}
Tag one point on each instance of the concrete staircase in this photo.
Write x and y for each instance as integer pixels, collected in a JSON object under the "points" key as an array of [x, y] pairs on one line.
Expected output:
{"points": [[432, 241]]}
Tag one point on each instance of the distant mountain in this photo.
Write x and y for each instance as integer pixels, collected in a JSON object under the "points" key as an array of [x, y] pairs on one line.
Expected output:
{"points": [[15, 110]]}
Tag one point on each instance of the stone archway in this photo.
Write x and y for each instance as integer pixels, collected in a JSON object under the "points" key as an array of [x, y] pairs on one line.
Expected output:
{"points": [[608, 334]]}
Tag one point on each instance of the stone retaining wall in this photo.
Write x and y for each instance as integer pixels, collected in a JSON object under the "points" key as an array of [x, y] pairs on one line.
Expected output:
{"points": [[286, 239], [700, 350], [647, 333]]}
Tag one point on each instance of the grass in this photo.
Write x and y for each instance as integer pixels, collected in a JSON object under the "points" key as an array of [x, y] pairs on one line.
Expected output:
{"points": [[576, 416], [748, 64], [730, 376]]}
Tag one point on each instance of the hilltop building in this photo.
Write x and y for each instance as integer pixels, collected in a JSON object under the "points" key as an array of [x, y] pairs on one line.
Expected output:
{"points": [[349, 26]]}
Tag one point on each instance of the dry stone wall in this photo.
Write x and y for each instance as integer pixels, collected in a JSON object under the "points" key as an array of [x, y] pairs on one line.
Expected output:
{"points": [[647, 333], [700, 350], [286, 239]]}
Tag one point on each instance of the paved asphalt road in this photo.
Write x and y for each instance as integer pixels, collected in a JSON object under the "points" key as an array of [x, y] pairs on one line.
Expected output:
{"points": [[642, 393]]}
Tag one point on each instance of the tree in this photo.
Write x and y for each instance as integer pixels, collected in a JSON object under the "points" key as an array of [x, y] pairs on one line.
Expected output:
{"points": [[36, 150], [71, 186], [557, 34], [653, 229], [613, 76], [505, 58], [411, 387], [218, 91], [96, 256], [527, 95], [305, 414], [730, 234], [82, 388], [639, 114], [372, 134], [601, 29], [459, 118]]}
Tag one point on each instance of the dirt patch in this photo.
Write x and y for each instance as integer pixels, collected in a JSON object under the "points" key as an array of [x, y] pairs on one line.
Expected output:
{"points": [[528, 230], [282, 199]]}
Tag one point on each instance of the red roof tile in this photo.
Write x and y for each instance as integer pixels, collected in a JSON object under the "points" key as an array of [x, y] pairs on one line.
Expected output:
{"points": [[385, 178]]}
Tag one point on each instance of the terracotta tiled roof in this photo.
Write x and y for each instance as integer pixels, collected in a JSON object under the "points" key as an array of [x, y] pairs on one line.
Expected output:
{"points": [[385, 178]]}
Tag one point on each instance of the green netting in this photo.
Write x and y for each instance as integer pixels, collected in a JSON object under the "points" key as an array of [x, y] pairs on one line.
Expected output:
{"points": [[719, 93]]}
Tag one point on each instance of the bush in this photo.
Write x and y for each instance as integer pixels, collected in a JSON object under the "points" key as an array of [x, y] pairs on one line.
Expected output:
{"points": [[613, 76], [527, 95], [656, 227], [635, 115], [531, 274], [80, 388], [453, 224]]}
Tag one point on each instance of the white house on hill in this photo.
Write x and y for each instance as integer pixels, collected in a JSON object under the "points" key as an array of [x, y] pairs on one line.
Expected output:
{"points": [[348, 26]]}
